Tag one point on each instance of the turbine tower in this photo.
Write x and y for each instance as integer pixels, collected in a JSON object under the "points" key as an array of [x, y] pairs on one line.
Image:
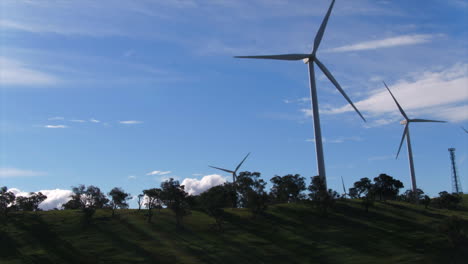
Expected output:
{"points": [[233, 172], [406, 133], [456, 184], [312, 59]]}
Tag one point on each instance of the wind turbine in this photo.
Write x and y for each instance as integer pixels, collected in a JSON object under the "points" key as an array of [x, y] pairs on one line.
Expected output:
{"points": [[311, 59], [233, 172], [406, 134], [344, 189], [466, 131]]}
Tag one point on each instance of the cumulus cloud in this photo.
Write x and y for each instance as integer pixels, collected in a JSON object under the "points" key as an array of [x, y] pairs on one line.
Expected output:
{"points": [[130, 122], [440, 94], [195, 186], [55, 126], [13, 172], [385, 43], [18, 73], [55, 198], [156, 172]]}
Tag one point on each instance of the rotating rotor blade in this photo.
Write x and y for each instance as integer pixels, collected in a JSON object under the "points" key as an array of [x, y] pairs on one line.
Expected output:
{"points": [[342, 181], [399, 106], [289, 57], [337, 85], [230, 171], [402, 139], [466, 131], [318, 37], [240, 164], [426, 120]]}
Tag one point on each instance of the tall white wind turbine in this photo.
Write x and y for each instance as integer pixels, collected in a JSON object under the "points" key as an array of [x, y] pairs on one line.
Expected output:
{"points": [[406, 133], [233, 172], [312, 59]]}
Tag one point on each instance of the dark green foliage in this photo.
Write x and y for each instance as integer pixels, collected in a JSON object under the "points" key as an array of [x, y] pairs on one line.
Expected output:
{"points": [[83, 197], [214, 200], [412, 197], [30, 203], [119, 199], [6, 201], [153, 200], [386, 187], [175, 198], [252, 194], [361, 187], [287, 188], [426, 201], [320, 196], [447, 200]]}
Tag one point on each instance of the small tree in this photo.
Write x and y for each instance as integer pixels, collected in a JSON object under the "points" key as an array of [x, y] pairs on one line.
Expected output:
{"points": [[252, 193], [322, 197], [412, 197], [447, 200], [287, 188], [88, 199], [6, 200], [30, 203], [360, 187], [175, 198], [426, 201], [153, 200], [119, 199], [214, 200], [386, 187], [140, 201]]}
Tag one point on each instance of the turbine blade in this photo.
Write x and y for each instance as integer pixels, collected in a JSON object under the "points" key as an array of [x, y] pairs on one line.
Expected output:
{"points": [[289, 57], [230, 171], [318, 37], [466, 131], [342, 181], [402, 139], [337, 85], [240, 164], [399, 106], [426, 120]]}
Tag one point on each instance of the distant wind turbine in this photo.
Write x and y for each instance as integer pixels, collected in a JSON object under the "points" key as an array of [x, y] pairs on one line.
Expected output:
{"points": [[406, 133], [233, 172], [311, 59], [466, 131], [344, 189]]}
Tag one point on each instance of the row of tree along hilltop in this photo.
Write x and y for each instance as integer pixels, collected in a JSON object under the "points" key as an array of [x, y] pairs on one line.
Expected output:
{"points": [[249, 192]]}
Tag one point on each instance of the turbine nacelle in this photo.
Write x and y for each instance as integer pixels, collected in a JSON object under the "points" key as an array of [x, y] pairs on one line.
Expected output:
{"points": [[404, 122]]}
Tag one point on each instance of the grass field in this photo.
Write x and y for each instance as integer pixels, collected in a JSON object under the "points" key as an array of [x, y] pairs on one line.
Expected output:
{"points": [[391, 232]]}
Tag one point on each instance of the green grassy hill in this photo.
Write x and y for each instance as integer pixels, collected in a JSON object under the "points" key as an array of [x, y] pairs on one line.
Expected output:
{"points": [[289, 233]]}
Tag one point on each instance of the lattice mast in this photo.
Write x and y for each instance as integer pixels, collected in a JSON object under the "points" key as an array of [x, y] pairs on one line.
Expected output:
{"points": [[456, 184]]}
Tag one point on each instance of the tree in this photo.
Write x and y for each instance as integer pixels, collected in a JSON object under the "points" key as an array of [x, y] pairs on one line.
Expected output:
{"points": [[6, 200], [360, 187], [87, 199], [175, 198], [287, 188], [386, 187], [30, 203], [252, 193], [322, 197], [447, 200], [119, 199], [426, 201], [412, 197], [214, 200], [140, 201], [153, 200]]}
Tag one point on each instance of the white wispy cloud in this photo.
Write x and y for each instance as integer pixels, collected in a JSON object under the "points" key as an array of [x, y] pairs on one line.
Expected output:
{"points": [[92, 120], [55, 198], [440, 94], [386, 43], [132, 177], [55, 118], [130, 122], [196, 186], [14, 72], [55, 126], [14, 172], [78, 120], [337, 140], [159, 173]]}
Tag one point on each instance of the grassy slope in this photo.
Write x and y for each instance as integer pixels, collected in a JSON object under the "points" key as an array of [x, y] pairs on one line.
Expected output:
{"points": [[389, 233]]}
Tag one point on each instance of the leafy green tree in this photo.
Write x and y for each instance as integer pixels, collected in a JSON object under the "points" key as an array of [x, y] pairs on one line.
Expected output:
{"points": [[175, 198], [320, 196], [6, 200], [412, 197], [287, 188], [360, 187], [119, 199], [30, 203], [252, 194], [214, 200], [386, 187], [153, 200], [87, 199], [447, 200], [426, 201]]}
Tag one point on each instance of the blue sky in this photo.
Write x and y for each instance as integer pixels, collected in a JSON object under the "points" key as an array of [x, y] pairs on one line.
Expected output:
{"points": [[129, 93]]}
